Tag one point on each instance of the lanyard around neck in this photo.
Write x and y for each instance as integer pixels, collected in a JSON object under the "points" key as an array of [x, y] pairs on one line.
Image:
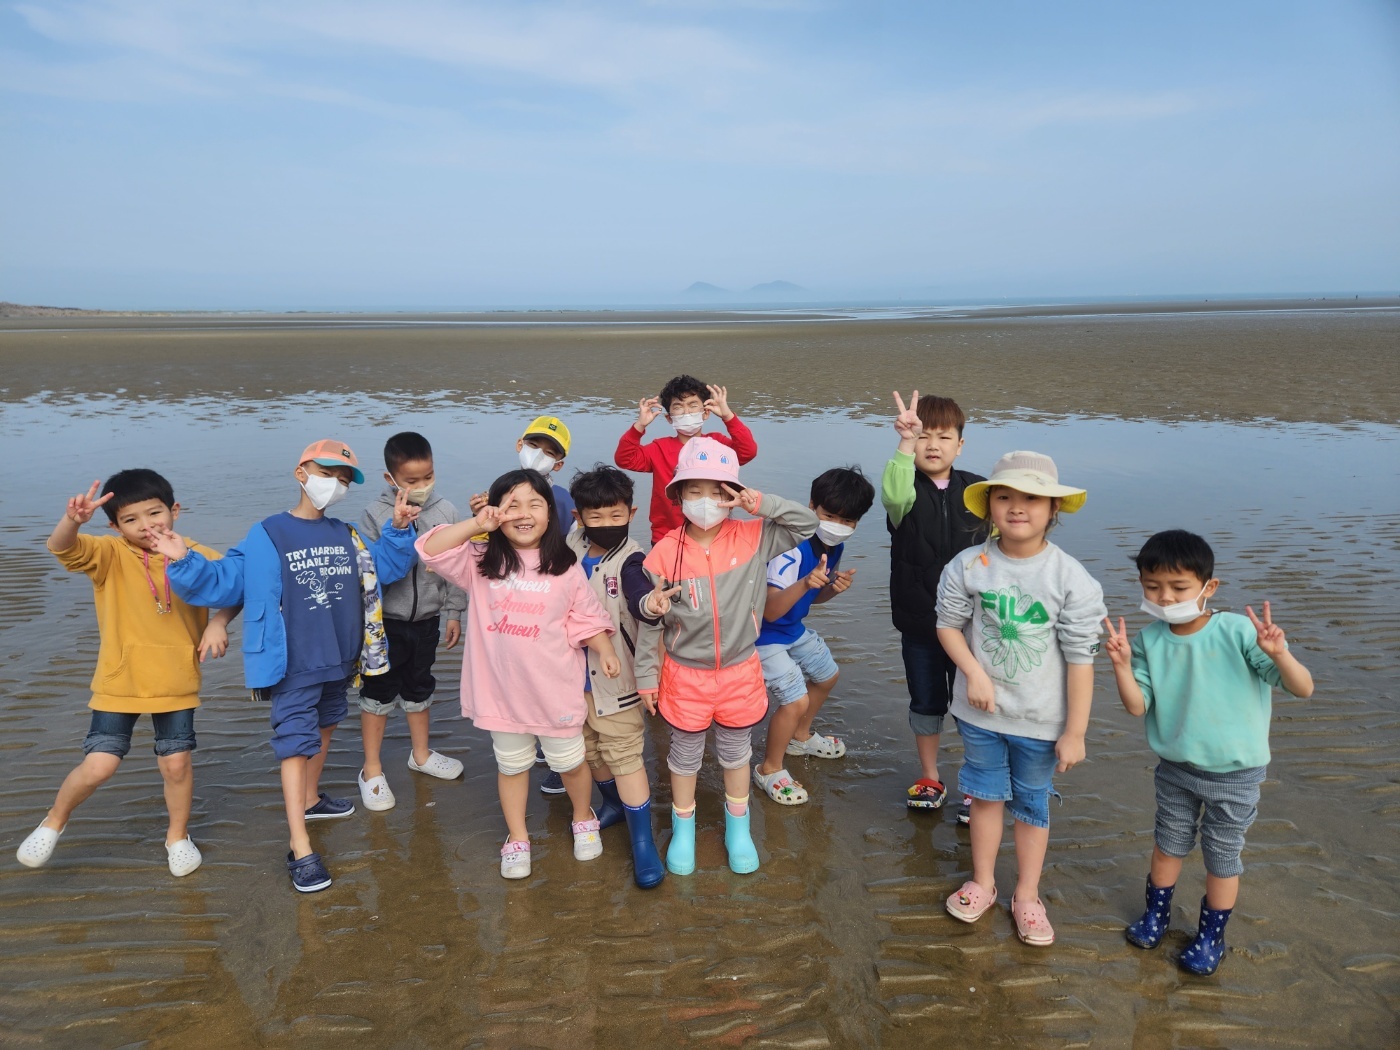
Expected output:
{"points": [[165, 572]]}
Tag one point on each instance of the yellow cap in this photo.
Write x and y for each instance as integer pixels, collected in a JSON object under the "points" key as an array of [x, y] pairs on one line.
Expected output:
{"points": [[551, 427]]}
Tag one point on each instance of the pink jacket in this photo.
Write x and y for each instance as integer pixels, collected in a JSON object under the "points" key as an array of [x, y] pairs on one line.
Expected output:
{"points": [[523, 665]]}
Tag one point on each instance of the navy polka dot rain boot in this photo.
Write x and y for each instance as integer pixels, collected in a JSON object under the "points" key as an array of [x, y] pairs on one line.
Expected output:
{"points": [[1202, 956], [1149, 930]]}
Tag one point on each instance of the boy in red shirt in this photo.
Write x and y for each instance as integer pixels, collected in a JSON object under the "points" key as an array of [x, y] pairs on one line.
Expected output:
{"points": [[687, 403]]}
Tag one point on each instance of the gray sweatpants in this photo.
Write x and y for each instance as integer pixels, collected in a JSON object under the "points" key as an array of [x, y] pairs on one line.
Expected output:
{"points": [[733, 749]]}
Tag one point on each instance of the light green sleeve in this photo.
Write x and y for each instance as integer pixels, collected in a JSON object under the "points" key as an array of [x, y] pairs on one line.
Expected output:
{"points": [[897, 487]]}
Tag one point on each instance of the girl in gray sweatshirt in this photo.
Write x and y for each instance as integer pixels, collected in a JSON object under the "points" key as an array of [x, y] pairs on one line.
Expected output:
{"points": [[1021, 619]]}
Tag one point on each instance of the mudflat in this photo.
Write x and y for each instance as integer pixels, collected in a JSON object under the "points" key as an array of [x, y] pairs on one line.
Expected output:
{"points": [[1271, 431]]}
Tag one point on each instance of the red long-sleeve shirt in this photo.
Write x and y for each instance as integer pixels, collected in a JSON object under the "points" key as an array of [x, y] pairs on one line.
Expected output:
{"points": [[659, 457]]}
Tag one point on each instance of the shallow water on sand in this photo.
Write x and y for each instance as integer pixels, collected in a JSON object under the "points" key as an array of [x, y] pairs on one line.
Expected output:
{"points": [[841, 938]]}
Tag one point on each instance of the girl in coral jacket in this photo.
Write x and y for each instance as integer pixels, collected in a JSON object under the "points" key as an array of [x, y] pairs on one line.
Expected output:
{"points": [[531, 614], [697, 667]]}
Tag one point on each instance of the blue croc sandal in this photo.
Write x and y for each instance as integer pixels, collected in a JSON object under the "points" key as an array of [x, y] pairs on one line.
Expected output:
{"points": [[331, 809], [308, 874]]}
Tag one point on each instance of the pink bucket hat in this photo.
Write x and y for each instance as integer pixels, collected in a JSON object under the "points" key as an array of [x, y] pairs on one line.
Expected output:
{"points": [[705, 459]]}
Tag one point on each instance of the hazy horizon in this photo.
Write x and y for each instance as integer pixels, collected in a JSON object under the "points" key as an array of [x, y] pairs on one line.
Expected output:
{"points": [[169, 155]]}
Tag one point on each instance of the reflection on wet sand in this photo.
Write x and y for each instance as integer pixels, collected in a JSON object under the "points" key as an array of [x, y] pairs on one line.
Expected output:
{"points": [[840, 940]]}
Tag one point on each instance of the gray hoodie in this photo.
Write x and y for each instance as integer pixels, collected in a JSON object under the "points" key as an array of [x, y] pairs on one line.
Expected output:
{"points": [[422, 594], [1024, 619]]}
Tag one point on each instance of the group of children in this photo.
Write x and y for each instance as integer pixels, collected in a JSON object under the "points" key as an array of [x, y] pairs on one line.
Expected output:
{"points": [[571, 631]]}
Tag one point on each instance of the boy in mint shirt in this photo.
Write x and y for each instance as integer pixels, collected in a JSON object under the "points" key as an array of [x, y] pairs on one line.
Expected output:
{"points": [[1203, 682]]}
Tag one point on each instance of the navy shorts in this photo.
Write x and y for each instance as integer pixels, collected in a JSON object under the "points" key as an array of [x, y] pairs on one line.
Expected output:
{"points": [[109, 733], [929, 672], [409, 680], [300, 712]]}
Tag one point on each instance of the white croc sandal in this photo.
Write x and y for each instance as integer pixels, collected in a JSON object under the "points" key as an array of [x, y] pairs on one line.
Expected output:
{"points": [[35, 851], [817, 746], [184, 857], [439, 766], [375, 793]]}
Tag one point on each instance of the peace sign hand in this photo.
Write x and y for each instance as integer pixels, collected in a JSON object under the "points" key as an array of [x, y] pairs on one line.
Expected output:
{"points": [[1271, 639], [907, 423], [648, 408], [84, 505], [748, 499], [1120, 650], [489, 518], [658, 601], [405, 513]]}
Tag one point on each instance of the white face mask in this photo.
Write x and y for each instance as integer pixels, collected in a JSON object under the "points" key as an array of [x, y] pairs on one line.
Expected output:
{"points": [[688, 424], [833, 533], [1177, 612], [536, 459], [418, 497], [704, 513], [324, 492]]}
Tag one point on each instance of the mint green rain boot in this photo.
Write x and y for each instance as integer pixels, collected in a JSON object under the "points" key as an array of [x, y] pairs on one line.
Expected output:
{"points": [[743, 857], [680, 854]]}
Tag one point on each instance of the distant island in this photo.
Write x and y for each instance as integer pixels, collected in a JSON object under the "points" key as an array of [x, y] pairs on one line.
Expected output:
{"points": [[706, 288], [767, 290]]}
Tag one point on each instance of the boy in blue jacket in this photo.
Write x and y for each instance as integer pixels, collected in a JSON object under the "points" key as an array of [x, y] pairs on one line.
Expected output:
{"points": [[313, 620]]}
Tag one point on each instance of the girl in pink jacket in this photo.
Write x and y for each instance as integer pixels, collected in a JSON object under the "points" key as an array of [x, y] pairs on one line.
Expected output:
{"points": [[531, 613]]}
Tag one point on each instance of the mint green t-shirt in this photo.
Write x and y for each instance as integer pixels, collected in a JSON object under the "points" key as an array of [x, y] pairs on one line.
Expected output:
{"points": [[1208, 694]]}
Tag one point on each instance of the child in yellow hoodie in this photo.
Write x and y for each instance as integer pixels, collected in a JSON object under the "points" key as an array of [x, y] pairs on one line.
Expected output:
{"points": [[148, 661]]}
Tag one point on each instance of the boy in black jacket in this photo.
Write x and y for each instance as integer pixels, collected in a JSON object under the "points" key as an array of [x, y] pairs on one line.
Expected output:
{"points": [[928, 523]]}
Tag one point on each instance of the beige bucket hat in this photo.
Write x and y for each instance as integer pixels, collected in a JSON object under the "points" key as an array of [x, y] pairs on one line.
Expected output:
{"points": [[1031, 472]]}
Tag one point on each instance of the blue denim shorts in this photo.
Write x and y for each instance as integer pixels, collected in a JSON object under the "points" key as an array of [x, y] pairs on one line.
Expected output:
{"points": [[788, 668], [1017, 770], [110, 732]]}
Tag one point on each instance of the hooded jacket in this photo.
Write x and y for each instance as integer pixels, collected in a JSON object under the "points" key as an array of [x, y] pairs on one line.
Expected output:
{"points": [[422, 594]]}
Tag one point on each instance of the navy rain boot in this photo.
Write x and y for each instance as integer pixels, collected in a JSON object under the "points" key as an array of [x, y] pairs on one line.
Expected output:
{"points": [[1149, 930], [646, 862], [1202, 956], [610, 812]]}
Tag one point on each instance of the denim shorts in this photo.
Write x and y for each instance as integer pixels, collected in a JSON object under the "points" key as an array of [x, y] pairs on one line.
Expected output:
{"points": [[788, 668], [1017, 770], [110, 732], [1222, 805]]}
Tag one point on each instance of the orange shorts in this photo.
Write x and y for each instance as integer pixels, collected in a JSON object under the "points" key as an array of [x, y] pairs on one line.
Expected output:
{"points": [[734, 697]]}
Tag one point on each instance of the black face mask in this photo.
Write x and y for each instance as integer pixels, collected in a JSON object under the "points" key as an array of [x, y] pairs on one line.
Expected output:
{"points": [[605, 536]]}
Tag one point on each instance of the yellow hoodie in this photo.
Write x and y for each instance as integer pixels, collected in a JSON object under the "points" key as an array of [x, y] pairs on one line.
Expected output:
{"points": [[147, 662]]}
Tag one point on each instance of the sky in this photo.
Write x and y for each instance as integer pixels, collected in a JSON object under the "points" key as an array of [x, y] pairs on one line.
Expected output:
{"points": [[425, 154]]}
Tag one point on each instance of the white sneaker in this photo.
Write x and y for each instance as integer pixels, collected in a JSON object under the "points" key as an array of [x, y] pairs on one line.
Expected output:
{"points": [[375, 793], [588, 843], [184, 857], [439, 766], [35, 851], [515, 860]]}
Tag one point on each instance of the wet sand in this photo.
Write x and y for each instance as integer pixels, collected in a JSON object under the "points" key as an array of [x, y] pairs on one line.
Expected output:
{"points": [[1272, 433]]}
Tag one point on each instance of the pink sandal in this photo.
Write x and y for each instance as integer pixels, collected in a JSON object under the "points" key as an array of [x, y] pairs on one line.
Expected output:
{"points": [[971, 902], [1032, 925]]}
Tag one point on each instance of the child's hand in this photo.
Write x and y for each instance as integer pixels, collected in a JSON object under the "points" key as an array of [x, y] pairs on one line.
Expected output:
{"points": [[648, 408], [748, 499], [405, 513], [658, 602], [841, 580], [981, 694], [610, 664], [1271, 639], [649, 701], [1120, 650], [817, 578], [164, 541], [452, 634], [84, 505], [490, 518], [214, 642], [477, 501], [718, 402], [1069, 749], [907, 423]]}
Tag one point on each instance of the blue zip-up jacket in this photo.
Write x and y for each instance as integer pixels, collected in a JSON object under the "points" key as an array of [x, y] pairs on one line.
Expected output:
{"points": [[250, 575]]}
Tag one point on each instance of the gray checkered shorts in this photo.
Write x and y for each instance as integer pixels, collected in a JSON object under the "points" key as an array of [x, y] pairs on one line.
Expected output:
{"points": [[1221, 805]]}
